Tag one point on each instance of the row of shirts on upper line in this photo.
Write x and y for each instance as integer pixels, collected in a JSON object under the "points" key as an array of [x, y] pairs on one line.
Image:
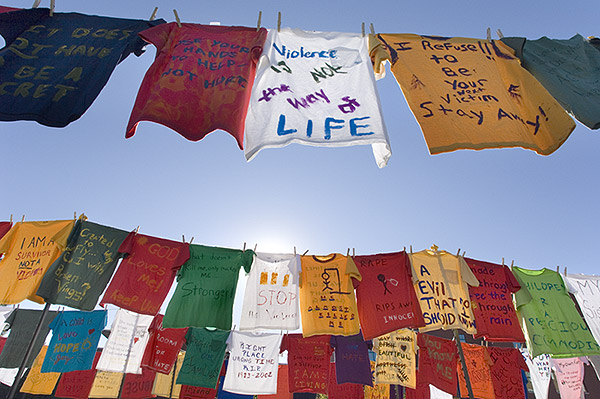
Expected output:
{"points": [[284, 86], [139, 345], [71, 263]]}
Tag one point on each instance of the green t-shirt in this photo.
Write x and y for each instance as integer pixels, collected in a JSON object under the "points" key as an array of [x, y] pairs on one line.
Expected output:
{"points": [[78, 277], [549, 317], [203, 357], [206, 286]]}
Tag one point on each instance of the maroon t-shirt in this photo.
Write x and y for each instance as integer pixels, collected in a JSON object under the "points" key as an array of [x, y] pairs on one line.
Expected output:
{"points": [[77, 384], [308, 362], [144, 278], [493, 308], [385, 297], [438, 358], [506, 373], [138, 386], [163, 346]]}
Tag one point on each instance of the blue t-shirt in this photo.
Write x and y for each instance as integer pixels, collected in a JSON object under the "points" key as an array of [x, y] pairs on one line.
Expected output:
{"points": [[75, 337], [53, 68]]}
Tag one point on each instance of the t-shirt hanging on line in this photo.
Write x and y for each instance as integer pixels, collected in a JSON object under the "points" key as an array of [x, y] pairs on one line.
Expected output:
{"points": [[315, 88]]}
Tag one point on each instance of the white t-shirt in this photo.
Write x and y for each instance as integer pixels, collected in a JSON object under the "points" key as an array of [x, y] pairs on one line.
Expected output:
{"points": [[253, 363], [271, 298], [315, 88], [586, 290], [539, 373], [435, 393], [126, 344]]}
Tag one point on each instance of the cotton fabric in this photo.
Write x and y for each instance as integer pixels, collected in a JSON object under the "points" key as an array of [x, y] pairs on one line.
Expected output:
{"points": [[586, 290], [352, 363], [203, 357], [569, 377], [308, 362], [37, 383], [396, 361], [315, 88], [163, 346]]}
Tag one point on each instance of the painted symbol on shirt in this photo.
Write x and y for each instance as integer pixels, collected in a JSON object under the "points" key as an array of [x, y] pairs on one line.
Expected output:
{"points": [[326, 281], [404, 348], [350, 105], [416, 83], [513, 90], [264, 279], [91, 331], [283, 66], [385, 282]]}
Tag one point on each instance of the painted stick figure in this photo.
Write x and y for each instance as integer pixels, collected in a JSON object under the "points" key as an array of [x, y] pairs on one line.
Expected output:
{"points": [[381, 278]]}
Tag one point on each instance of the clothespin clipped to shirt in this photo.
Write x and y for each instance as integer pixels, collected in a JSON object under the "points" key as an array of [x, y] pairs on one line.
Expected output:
{"points": [[372, 28], [255, 245], [458, 253], [11, 218], [353, 252], [279, 21], [294, 251], [259, 18], [83, 217], [464, 253], [512, 263], [177, 18], [489, 34], [153, 14], [23, 218], [137, 229], [411, 249], [192, 240], [75, 215], [558, 269], [565, 272], [500, 34], [244, 248], [502, 261], [183, 238], [36, 3], [51, 7], [305, 252], [363, 29]]}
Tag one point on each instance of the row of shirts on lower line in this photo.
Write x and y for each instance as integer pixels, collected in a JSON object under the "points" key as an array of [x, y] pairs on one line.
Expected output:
{"points": [[139, 345]]}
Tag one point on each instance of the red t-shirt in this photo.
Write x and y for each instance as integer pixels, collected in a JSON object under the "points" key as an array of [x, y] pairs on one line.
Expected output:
{"points": [[437, 362], [163, 346], [200, 80], [8, 9], [144, 278], [192, 392], [138, 386], [343, 391], [385, 297], [77, 384], [283, 386], [308, 362], [506, 373], [493, 308], [4, 226]]}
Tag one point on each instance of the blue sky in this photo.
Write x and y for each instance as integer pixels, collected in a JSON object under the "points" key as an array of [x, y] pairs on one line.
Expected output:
{"points": [[493, 204]]}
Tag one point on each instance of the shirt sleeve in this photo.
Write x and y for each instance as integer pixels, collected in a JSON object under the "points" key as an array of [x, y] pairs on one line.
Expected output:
{"points": [[466, 273], [127, 245], [517, 44], [184, 255], [379, 56], [257, 50], [523, 296], [157, 35], [12, 24], [61, 237], [284, 343], [6, 241], [56, 320], [511, 281], [351, 269], [247, 259], [11, 317]]}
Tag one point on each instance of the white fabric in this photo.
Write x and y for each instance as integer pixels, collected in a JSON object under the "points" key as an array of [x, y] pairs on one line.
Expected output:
{"points": [[253, 363], [539, 373], [586, 290], [595, 361], [271, 298], [436, 393], [303, 92], [7, 376], [569, 377], [126, 344]]}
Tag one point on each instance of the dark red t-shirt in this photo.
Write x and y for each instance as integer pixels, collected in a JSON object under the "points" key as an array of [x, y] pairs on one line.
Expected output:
{"points": [[493, 308], [506, 373], [385, 297], [144, 278], [308, 362], [77, 384], [4, 228], [163, 346], [138, 386], [192, 392], [201, 79], [437, 362]]}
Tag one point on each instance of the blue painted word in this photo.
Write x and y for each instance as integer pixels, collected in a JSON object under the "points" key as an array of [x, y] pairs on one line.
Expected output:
{"points": [[328, 125], [287, 53]]}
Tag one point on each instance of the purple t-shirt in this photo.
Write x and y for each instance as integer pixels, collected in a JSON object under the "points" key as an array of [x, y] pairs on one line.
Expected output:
{"points": [[352, 359]]}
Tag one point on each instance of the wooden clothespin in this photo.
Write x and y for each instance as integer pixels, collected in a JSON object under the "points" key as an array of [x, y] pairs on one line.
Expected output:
{"points": [[294, 251], [458, 253], [411, 249], [464, 253], [51, 7], [23, 218], [153, 14], [363, 29], [36, 3], [183, 238], [192, 240], [244, 248], [279, 21], [255, 245], [353, 252], [500, 34], [565, 272], [11, 218], [75, 215], [305, 252], [372, 28], [558, 269], [502, 261], [489, 34], [259, 18], [177, 18], [137, 229]]}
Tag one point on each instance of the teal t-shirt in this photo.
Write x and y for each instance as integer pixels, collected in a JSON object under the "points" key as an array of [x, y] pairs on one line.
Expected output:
{"points": [[568, 69], [203, 357], [206, 286], [549, 317]]}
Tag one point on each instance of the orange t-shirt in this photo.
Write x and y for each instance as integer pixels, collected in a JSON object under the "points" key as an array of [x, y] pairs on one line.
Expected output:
{"points": [[478, 366]]}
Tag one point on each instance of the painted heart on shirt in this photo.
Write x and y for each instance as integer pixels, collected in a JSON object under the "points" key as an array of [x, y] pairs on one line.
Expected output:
{"points": [[136, 339], [403, 347], [91, 331]]}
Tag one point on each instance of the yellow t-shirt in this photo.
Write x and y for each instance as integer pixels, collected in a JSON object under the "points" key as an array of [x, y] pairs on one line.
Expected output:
{"points": [[162, 382], [377, 391], [396, 358], [29, 249], [440, 281], [471, 94], [327, 301], [107, 384], [38, 383]]}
